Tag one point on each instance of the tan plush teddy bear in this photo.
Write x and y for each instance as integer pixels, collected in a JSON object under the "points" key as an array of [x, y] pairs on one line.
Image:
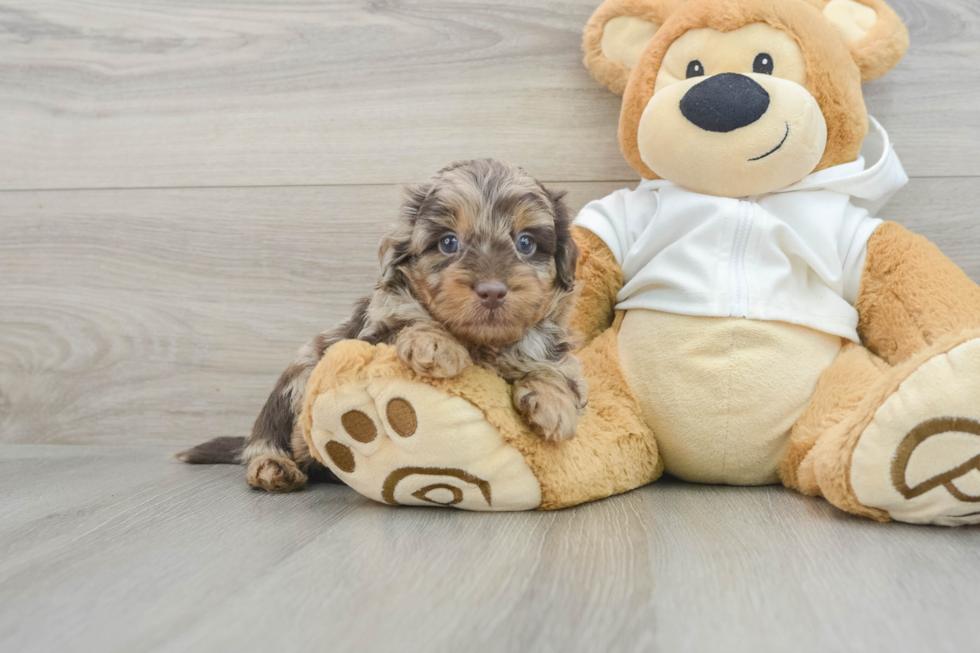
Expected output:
{"points": [[747, 318]]}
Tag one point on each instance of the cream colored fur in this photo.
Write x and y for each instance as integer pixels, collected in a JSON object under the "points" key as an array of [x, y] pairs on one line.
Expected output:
{"points": [[721, 393]]}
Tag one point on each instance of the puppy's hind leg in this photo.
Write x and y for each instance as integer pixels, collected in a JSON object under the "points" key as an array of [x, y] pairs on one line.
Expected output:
{"points": [[269, 452], [274, 473], [273, 463]]}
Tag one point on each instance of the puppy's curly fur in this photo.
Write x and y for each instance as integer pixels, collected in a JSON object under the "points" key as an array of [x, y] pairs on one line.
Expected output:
{"points": [[478, 269]]}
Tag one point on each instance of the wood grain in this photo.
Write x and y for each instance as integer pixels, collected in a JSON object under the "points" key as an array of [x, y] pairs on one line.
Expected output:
{"points": [[166, 315], [239, 157], [136, 316], [167, 93], [127, 550]]}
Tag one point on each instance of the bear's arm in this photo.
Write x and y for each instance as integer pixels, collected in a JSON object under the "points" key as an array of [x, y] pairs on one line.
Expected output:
{"points": [[911, 295], [599, 279]]}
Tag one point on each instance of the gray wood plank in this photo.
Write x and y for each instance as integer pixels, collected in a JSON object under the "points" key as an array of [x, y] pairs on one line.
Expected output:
{"points": [[164, 93], [152, 319], [120, 549], [166, 315]]}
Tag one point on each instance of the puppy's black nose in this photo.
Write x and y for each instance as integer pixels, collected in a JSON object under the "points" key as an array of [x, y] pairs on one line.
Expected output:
{"points": [[725, 102], [491, 293]]}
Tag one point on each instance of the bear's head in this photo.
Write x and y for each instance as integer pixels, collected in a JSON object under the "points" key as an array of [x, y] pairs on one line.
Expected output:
{"points": [[741, 97]]}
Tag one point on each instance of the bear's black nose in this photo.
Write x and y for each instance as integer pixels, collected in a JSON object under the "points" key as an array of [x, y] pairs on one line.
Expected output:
{"points": [[724, 102]]}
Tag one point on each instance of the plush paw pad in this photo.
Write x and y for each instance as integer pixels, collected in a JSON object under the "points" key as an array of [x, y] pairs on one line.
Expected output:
{"points": [[919, 458], [406, 443], [914, 469]]}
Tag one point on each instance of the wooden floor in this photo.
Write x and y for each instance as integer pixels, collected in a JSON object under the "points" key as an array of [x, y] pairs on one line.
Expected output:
{"points": [[118, 549], [190, 188]]}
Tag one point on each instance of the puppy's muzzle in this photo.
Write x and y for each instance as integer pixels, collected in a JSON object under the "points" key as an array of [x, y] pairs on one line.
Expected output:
{"points": [[491, 293], [724, 102]]}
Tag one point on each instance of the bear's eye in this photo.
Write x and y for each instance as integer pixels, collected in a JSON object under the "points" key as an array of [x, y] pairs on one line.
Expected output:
{"points": [[449, 244], [762, 64], [695, 69]]}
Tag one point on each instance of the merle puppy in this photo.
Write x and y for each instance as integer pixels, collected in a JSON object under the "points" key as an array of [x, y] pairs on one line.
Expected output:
{"points": [[478, 269]]}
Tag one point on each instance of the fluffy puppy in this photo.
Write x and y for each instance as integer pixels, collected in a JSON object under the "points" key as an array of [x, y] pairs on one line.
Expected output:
{"points": [[478, 269]]}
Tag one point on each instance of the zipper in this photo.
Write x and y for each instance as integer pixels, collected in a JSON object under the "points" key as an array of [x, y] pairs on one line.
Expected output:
{"points": [[739, 286]]}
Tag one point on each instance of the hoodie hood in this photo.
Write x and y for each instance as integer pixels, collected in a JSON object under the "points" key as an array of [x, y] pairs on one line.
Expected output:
{"points": [[870, 186]]}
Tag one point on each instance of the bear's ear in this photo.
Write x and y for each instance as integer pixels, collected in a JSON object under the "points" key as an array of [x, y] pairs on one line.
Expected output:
{"points": [[617, 34], [873, 32]]}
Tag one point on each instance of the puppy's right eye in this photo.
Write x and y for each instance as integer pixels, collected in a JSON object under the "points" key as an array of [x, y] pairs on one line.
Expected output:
{"points": [[695, 69], [449, 244]]}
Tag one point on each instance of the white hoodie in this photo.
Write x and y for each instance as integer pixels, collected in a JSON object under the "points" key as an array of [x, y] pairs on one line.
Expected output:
{"points": [[794, 255]]}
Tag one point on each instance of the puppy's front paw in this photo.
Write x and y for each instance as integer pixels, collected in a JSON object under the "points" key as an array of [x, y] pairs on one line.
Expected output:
{"points": [[432, 352], [275, 474], [549, 409]]}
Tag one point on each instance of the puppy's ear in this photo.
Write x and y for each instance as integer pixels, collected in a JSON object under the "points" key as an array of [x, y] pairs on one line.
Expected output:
{"points": [[618, 33], [396, 244], [566, 251], [414, 196], [873, 32]]}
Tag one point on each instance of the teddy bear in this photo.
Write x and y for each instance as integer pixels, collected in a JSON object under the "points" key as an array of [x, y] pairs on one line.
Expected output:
{"points": [[746, 318]]}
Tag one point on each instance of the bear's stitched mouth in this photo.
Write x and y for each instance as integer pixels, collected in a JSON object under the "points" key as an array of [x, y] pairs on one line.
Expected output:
{"points": [[785, 136]]}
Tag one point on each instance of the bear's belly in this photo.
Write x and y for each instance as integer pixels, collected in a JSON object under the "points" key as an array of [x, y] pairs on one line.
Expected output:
{"points": [[721, 394]]}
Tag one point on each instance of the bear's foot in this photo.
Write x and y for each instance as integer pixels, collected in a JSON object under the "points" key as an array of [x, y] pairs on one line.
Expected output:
{"points": [[918, 458], [406, 443], [405, 439]]}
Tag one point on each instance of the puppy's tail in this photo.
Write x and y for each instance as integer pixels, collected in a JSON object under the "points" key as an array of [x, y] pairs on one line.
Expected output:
{"points": [[219, 451]]}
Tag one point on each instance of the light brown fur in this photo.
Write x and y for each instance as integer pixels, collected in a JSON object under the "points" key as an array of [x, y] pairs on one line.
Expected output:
{"points": [[600, 279], [839, 392], [911, 295], [834, 69], [612, 74]]}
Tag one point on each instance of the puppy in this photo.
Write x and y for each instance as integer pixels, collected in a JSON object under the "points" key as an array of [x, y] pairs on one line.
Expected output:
{"points": [[478, 269]]}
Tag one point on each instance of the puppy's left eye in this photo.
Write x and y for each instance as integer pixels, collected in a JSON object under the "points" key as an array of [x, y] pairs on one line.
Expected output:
{"points": [[525, 244], [449, 244], [762, 64]]}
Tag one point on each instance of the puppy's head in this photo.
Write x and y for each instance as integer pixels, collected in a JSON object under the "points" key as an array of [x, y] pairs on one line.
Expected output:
{"points": [[485, 249]]}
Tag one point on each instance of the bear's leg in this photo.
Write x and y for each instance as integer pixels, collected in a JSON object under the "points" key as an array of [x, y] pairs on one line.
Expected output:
{"points": [[911, 295], [906, 446], [399, 438], [839, 392]]}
